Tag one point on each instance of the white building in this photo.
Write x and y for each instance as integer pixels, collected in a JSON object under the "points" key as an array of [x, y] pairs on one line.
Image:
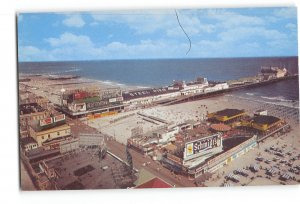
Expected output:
{"points": [[216, 87], [166, 135]]}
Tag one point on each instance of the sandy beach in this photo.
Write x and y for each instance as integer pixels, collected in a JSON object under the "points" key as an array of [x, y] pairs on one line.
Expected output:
{"points": [[41, 85]]}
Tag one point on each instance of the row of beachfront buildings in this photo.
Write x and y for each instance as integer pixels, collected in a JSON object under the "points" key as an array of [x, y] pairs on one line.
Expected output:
{"points": [[193, 148]]}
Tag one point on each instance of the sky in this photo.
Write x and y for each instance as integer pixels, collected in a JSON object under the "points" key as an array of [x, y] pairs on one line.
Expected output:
{"points": [[148, 34]]}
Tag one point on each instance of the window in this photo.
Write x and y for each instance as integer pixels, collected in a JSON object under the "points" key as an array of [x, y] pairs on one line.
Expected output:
{"points": [[58, 133], [48, 136], [42, 137]]}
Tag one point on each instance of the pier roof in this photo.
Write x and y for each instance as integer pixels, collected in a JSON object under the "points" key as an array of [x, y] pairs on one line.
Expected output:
{"points": [[266, 119], [147, 92], [229, 112]]}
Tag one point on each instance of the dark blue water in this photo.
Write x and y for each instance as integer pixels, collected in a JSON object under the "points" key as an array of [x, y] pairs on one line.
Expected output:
{"points": [[162, 72]]}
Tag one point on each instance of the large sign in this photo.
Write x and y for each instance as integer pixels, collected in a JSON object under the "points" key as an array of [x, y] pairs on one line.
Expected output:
{"points": [[60, 117], [94, 105], [46, 121], [110, 93], [79, 95], [202, 145], [112, 100]]}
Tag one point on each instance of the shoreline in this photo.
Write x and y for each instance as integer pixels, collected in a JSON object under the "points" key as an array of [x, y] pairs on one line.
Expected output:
{"points": [[81, 80], [42, 82]]}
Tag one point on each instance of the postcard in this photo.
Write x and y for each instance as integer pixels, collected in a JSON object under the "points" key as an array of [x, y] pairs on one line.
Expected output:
{"points": [[158, 98]]}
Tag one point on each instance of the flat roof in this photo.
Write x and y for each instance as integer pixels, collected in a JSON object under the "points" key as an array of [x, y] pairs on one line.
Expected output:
{"points": [[41, 153], [229, 112], [265, 119], [51, 127], [27, 140], [196, 133], [30, 108], [147, 92]]}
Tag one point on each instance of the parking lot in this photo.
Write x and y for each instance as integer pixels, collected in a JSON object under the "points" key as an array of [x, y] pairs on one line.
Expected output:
{"points": [[276, 161]]}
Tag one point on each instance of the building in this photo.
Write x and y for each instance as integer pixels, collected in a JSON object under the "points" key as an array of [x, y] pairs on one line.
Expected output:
{"points": [[149, 95], [28, 113], [227, 115], [28, 143], [194, 87], [265, 122], [225, 157], [165, 135], [50, 132], [146, 144], [38, 154], [216, 87], [48, 167], [193, 148], [77, 103], [199, 150], [69, 145], [155, 183], [273, 72]]}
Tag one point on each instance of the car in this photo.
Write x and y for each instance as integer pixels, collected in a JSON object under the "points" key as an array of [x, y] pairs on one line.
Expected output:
{"points": [[259, 159], [267, 161]]}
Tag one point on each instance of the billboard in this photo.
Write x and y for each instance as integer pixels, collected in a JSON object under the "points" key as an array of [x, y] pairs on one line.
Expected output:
{"points": [[119, 99], [46, 121], [203, 144], [79, 95], [112, 100], [59, 117], [110, 93], [94, 105]]}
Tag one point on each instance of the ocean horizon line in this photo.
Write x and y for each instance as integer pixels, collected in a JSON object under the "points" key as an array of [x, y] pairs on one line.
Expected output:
{"points": [[149, 59]]}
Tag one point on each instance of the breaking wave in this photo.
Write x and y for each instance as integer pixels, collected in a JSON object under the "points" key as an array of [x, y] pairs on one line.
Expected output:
{"points": [[277, 98]]}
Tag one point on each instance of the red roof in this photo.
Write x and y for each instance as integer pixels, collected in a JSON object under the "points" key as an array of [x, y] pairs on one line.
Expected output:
{"points": [[220, 127], [155, 183]]}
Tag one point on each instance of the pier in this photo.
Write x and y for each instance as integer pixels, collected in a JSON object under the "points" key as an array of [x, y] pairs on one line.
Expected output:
{"points": [[193, 97]]}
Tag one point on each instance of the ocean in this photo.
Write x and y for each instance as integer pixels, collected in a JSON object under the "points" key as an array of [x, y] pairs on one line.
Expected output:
{"points": [[161, 72]]}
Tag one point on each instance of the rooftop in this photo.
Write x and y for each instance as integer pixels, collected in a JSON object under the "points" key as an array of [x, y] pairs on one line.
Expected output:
{"points": [[39, 153], [155, 183], [51, 127], [27, 140], [265, 119], [229, 112], [147, 92], [200, 130], [30, 108]]}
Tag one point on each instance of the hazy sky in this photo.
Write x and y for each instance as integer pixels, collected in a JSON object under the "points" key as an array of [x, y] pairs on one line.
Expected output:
{"points": [[156, 34]]}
